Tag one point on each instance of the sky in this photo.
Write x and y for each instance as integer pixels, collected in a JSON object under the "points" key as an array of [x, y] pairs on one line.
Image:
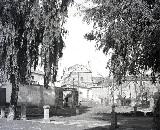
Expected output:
{"points": [[78, 50]]}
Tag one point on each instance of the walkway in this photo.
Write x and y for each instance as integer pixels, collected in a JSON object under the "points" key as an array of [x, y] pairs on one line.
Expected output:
{"points": [[96, 118]]}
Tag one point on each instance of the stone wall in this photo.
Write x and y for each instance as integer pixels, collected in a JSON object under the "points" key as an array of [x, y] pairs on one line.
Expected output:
{"points": [[35, 95], [39, 96]]}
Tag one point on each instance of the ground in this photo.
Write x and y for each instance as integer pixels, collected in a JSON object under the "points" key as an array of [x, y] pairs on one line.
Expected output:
{"points": [[90, 118]]}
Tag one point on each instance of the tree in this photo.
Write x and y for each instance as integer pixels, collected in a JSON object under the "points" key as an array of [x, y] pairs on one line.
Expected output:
{"points": [[26, 26], [131, 29]]}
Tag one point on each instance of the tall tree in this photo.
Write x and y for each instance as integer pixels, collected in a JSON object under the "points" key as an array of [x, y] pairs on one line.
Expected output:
{"points": [[131, 29], [26, 26]]}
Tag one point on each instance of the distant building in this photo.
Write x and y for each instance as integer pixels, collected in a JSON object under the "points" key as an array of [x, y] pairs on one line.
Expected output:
{"points": [[101, 90], [80, 77], [37, 77], [77, 75]]}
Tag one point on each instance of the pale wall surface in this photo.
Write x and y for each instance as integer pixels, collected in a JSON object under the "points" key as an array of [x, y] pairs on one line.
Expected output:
{"points": [[34, 94]]}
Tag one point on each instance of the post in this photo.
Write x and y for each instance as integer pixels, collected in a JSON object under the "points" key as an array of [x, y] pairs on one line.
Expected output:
{"points": [[11, 113], [77, 108], [46, 114], [23, 112], [113, 118], [2, 112], [78, 87], [135, 109]]}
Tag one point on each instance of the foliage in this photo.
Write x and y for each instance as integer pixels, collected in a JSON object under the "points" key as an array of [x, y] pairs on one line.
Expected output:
{"points": [[131, 29], [27, 26]]}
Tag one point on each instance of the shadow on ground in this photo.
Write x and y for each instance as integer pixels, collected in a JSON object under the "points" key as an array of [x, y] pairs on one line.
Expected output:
{"points": [[99, 128], [126, 120], [37, 113]]}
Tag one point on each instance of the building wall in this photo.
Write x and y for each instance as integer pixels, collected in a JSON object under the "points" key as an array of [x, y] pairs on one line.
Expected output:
{"points": [[35, 95], [80, 78], [38, 95], [99, 94], [83, 94], [37, 78], [77, 74], [85, 77]]}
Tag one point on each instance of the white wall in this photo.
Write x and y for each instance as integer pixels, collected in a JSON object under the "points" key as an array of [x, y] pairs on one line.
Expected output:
{"points": [[99, 93], [39, 79], [83, 94]]}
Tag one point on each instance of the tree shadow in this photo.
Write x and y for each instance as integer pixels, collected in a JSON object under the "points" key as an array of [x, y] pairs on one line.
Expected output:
{"points": [[138, 123], [127, 120], [37, 112], [99, 128], [102, 116]]}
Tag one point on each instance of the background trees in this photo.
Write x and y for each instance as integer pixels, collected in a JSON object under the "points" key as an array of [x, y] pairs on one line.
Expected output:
{"points": [[25, 27]]}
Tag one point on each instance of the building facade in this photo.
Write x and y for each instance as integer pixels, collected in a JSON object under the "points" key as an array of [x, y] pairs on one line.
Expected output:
{"points": [[104, 90], [80, 77]]}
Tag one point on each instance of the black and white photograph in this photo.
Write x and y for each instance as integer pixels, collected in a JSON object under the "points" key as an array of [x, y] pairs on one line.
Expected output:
{"points": [[79, 64]]}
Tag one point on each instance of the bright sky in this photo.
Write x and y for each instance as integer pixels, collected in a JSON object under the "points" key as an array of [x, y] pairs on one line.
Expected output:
{"points": [[78, 50]]}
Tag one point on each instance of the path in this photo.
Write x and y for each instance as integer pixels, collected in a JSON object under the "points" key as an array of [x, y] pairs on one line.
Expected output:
{"points": [[96, 118]]}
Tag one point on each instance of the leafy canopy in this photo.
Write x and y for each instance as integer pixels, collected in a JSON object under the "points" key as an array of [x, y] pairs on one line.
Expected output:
{"points": [[131, 29], [27, 26]]}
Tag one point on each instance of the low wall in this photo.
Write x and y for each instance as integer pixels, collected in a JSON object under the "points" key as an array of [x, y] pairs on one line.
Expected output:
{"points": [[36, 95]]}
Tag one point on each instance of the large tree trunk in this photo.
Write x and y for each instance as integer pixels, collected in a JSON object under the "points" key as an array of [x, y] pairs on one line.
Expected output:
{"points": [[14, 99]]}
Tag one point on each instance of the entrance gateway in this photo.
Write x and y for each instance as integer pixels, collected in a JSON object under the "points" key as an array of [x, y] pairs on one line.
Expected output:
{"points": [[70, 97]]}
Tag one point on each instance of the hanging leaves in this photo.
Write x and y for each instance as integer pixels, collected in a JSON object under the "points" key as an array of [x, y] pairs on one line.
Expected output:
{"points": [[26, 27], [131, 30]]}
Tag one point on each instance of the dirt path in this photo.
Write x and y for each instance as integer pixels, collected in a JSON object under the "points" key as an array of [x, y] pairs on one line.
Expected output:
{"points": [[93, 118]]}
